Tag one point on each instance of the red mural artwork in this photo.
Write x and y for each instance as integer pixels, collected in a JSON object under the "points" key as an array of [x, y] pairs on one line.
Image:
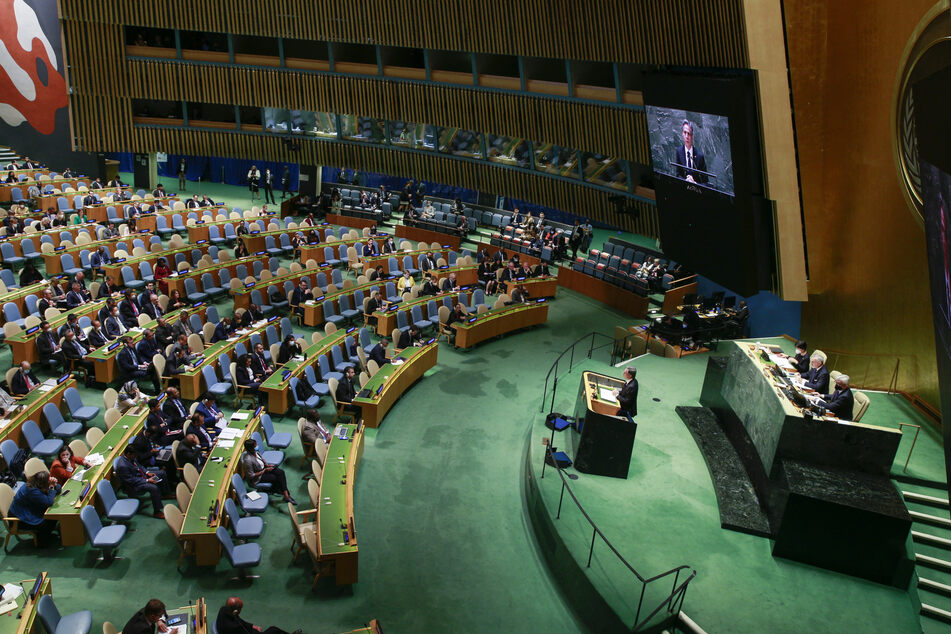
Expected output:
{"points": [[26, 93]]}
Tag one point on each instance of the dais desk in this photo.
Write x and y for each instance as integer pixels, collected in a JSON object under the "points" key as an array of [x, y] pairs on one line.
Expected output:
{"points": [[389, 384], [499, 322]]}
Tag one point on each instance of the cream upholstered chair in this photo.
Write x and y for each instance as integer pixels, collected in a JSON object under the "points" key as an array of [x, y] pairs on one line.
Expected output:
{"points": [[175, 520], [190, 473], [183, 495], [93, 436], [859, 406], [299, 527], [112, 417]]}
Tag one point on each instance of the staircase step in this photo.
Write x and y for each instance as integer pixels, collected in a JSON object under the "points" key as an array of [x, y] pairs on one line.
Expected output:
{"points": [[927, 518], [932, 540], [933, 562], [934, 586], [931, 500], [935, 612]]}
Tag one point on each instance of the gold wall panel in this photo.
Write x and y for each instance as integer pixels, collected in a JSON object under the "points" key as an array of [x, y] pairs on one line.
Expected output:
{"points": [[868, 288], [680, 32]]}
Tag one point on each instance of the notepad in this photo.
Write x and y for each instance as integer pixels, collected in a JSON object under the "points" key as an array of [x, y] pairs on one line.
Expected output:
{"points": [[397, 362], [45, 388], [4, 423], [225, 443], [78, 476], [239, 416], [95, 459], [253, 495], [606, 394]]}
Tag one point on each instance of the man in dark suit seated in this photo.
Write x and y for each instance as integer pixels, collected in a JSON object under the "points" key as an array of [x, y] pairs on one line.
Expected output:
{"points": [[841, 401], [45, 302], [47, 344], [129, 310], [76, 352], [259, 364], [23, 380], [347, 391], [450, 285], [223, 330], [72, 324], [164, 332], [370, 249], [160, 431], [132, 366], [229, 621], [148, 619], [148, 347], [135, 480], [627, 395], [817, 378], [174, 410], [74, 297], [300, 295], [409, 338], [251, 315], [378, 353], [97, 335], [190, 452], [689, 158], [541, 270], [107, 288], [177, 363], [114, 324], [152, 308]]}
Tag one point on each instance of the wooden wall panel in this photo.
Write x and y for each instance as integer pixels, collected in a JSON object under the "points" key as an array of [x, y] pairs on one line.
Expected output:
{"points": [[677, 32], [608, 130], [868, 286], [572, 197]]}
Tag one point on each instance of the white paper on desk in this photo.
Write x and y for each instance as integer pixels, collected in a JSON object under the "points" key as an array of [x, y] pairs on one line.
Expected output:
{"points": [[78, 476], [607, 394], [397, 362], [50, 382], [260, 323], [229, 433], [95, 459], [11, 592], [4, 423], [221, 424], [225, 443], [136, 329], [229, 340], [178, 629], [45, 388], [239, 416]]}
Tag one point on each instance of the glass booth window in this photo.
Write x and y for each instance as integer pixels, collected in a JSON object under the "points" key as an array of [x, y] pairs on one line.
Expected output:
{"points": [[277, 120], [507, 150], [324, 125], [555, 159], [418, 136], [363, 129], [604, 170], [460, 142]]}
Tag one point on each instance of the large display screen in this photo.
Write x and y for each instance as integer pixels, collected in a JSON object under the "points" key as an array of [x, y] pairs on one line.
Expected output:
{"points": [[693, 147], [708, 177]]}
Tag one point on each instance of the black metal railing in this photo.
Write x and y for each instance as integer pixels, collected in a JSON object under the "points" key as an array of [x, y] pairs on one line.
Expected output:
{"points": [[562, 366], [674, 600]]}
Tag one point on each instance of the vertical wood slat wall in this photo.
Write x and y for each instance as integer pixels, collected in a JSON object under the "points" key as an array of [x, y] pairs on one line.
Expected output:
{"points": [[571, 197], [678, 32], [617, 132], [704, 33]]}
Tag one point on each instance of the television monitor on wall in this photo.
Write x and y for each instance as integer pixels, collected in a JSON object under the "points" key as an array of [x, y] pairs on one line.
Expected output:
{"points": [[708, 177]]}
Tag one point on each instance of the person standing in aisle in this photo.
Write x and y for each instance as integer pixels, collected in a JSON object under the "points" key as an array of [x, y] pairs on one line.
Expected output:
{"points": [[286, 182], [267, 182], [182, 171], [254, 177]]}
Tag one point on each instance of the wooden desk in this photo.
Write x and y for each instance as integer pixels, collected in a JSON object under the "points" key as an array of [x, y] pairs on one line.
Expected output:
{"points": [[372, 262], [605, 292], [100, 213], [315, 251], [499, 322], [674, 297], [18, 295], [114, 270], [386, 320], [255, 241], [214, 485], [54, 233], [104, 357], [55, 267], [242, 296], [199, 230], [510, 253], [67, 505], [23, 618], [448, 240], [277, 385], [197, 616], [336, 482], [23, 345], [176, 281], [30, 407], [536, 286], [350, 221], [395, 380], [314, 310], [191, 382]]}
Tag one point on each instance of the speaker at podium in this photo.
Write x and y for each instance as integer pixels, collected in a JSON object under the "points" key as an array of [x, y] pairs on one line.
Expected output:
{"points": [[606, 438]]}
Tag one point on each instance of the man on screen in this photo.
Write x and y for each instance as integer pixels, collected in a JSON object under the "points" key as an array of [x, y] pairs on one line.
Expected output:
{"points": [[690, 158]]}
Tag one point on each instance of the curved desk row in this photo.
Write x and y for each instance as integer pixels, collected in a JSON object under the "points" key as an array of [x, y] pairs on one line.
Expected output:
{"points": [[499, 322], [54, 233], [100, 213], [277, 385], [104, 357], [75, 495], [391, 381], [30, 407], [536, 286], [387, 320], [337, 535], [23, 618], [115, 270], [23, 344], [176, 281], [54, 265], [206, 507]]}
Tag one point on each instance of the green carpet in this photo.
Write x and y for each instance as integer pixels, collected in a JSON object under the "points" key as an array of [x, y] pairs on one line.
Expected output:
{"points": [[445, 543]]}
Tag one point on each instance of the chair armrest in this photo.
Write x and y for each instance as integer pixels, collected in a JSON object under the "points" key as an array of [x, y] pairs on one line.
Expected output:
{"points": [[307, 512]]}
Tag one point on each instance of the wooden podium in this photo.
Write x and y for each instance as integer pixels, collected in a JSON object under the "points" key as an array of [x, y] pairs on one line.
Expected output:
{"points": [[607, 439]]}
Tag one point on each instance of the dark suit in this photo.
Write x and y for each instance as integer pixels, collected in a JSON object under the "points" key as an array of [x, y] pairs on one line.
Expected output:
{"points": [[298, 297], [259, 365], [135, 481], [113, 326], [406, 340], [447, 285], [222, 332], [818, 379], [129, 361], [189, 455], [46, 344], [250, 316], [699, 163], [129, 311], [139, 624], [147, 349], [378, 354], [345, 391], [152, 310], [106, 290], [230, 623], [98, 337], [18, 384], [627, 398], [840, 403], [165, 334], [175, 412], [801, 363]]}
